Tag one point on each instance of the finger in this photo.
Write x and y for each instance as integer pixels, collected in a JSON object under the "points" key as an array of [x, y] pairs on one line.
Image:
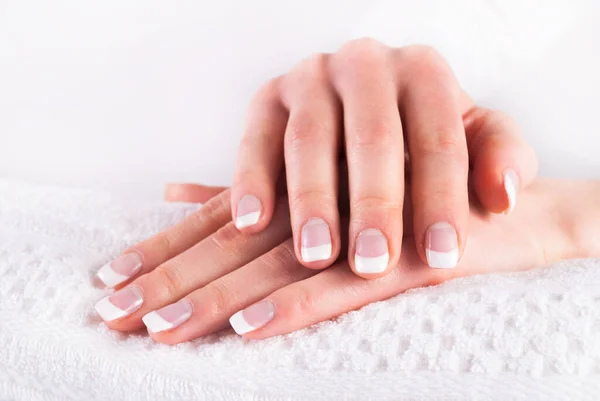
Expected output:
{"points": [[217, 255], [148, 254], [430, 107], [209, 308], [192, 193], [259, 161], [375, 155], [503, 162], [326, 295], [311, 158]]}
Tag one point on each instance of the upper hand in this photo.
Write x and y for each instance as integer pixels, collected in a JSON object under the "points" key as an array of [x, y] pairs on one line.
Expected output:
{"points": [[368, 100]]}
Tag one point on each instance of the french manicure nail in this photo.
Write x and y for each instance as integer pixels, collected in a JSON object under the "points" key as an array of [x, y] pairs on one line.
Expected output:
{"points": [[120, 304], [511, 185], [441, 246], [372, 255], [169, 317], [316, 240], [118, 271], [253, 317], [248, 211]]}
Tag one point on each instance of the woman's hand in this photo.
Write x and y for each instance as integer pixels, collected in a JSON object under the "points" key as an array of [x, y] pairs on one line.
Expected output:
{"points": [[367, 101], [188, 290]]}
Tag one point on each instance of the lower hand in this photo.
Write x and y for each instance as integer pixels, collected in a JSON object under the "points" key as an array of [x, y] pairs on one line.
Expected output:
{"points": [[195, 276]]}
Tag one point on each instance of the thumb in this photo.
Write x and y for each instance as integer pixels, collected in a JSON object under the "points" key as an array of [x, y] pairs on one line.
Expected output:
{"points": [[503, 162]]}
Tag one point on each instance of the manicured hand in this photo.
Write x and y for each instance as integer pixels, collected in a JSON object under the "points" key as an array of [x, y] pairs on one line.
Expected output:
{"points": [[368, 105], [185, 290]]}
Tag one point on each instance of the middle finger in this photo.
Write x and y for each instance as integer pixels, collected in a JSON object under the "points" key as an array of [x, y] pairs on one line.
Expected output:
{"points": [[375, 154]]}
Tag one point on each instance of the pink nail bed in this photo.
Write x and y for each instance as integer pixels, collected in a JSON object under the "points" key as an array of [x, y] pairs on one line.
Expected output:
{"points": [[248, 211], [372, 254], [316, 240], [168, 317], [253, 317], [120, 304], [441, 246]]}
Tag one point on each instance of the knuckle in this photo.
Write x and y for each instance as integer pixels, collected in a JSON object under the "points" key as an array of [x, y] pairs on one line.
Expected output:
{"points": [[307, 77], [373, 202], [223, 239], [357, 53], [282, 259], [503, 121], [269, 90], [483, 120], [428, 66], [452, 195], [303, 303], [362, 47], [162, 246], [425, 57], [210, 211], [221, 297], [306, 131], [167, 277], [311, 66], [445, 143], [377, 134], [311, 198]]}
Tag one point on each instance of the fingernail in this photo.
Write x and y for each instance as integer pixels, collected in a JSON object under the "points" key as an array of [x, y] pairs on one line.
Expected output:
{"points": [[372, 255], [441, 246], [248, 211], [119, 270], [169, 317], [511, 186], [253, 317], [120, 304], [316, 240]]}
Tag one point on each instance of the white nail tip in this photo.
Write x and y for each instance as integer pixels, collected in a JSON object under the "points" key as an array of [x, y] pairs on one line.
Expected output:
{"points": [[155, 324], [510, 186], [247, 220], [108, 311], [109, 277], [316, 253], [239, 324], [442, 260], [371, 265]]}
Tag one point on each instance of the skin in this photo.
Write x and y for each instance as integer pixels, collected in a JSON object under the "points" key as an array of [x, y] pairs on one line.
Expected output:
{"points": [[554, 220], [362, 104]]}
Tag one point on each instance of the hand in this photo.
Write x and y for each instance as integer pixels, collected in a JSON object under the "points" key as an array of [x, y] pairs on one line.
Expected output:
{"points": [[374, 99], [195, 289]]}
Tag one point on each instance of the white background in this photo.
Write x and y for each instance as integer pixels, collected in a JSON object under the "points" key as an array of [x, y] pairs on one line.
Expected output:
{"points": [[134, 94]]}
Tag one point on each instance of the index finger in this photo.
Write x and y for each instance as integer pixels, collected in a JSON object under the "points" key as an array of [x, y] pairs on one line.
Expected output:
{"points": [[147, 255]]}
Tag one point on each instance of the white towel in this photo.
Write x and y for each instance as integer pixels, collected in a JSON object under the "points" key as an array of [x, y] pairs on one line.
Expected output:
{"points": [[529, 336]]}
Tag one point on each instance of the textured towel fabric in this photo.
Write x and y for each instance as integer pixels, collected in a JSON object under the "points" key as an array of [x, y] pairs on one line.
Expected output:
{"points": [[529, 336]]}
